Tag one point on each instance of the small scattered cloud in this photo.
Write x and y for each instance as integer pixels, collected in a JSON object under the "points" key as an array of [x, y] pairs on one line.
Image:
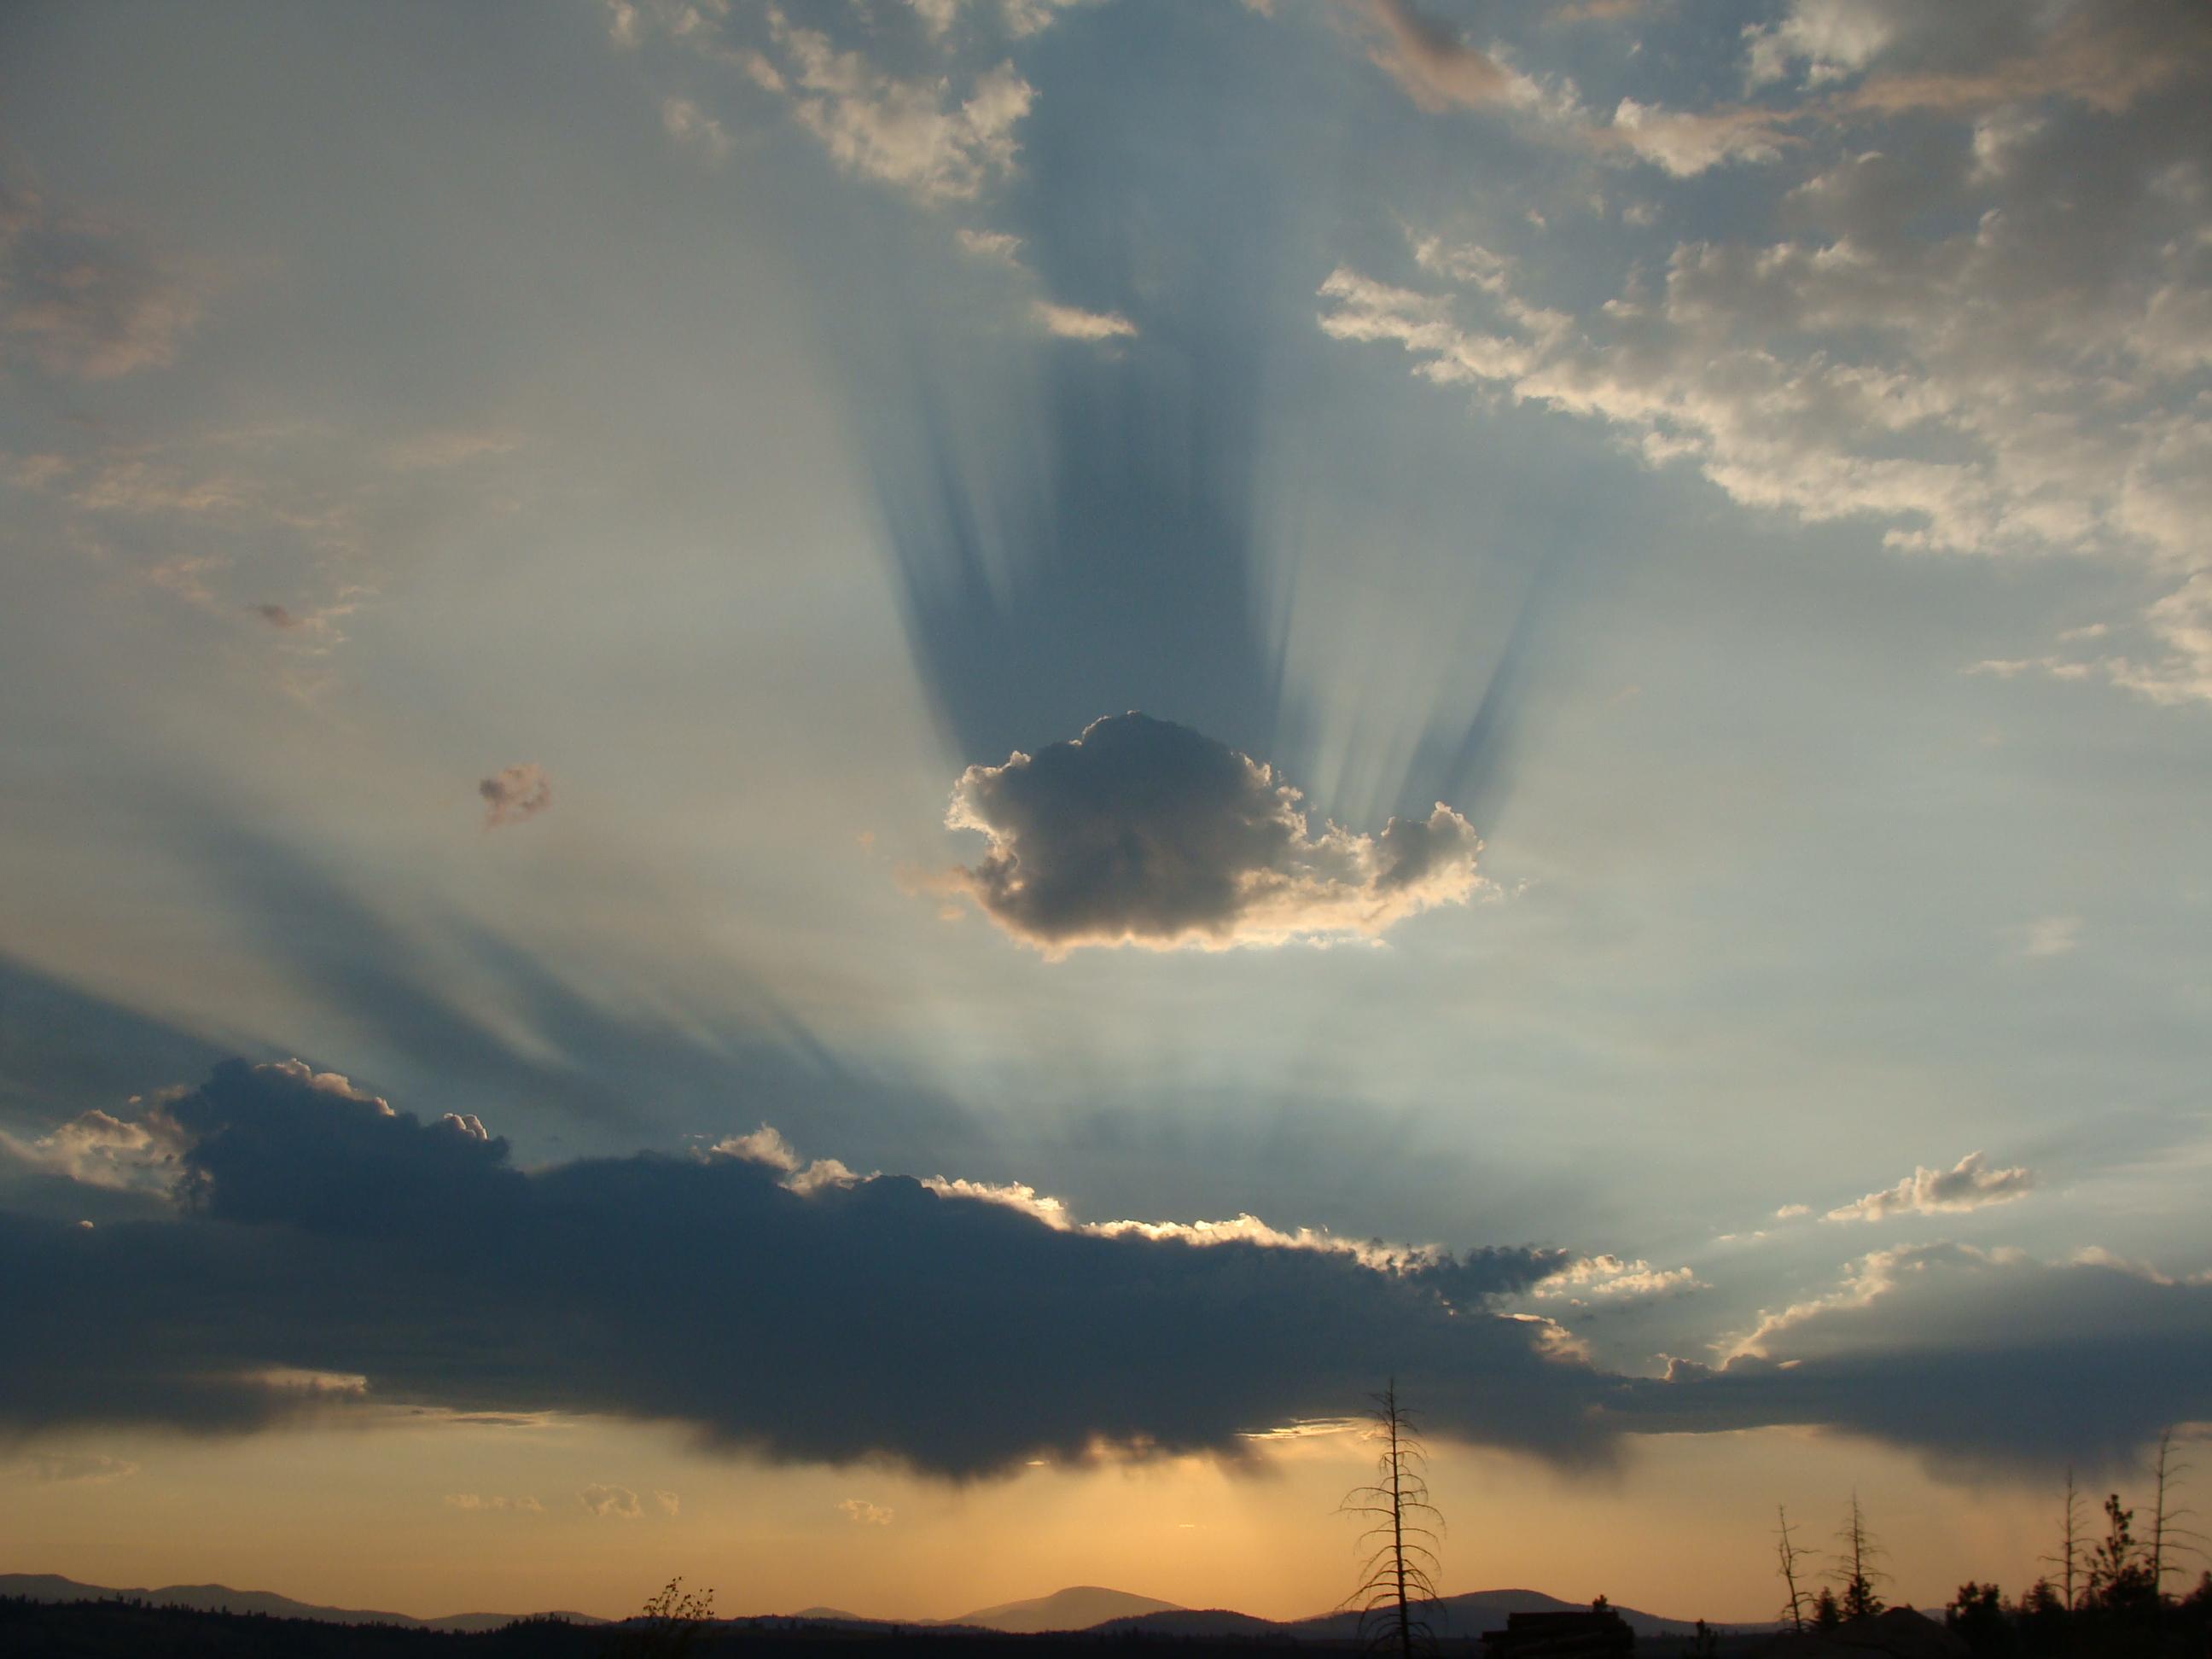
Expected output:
{"points": [[1144, 832], [863, 1513], [1610, 1279], [2049, 936], [1434, 65], [475, 1503], [1969, 1184], [1073, 323], [918, 135], [516, 792], [989, 245], [73, 1469], [668, 1501], [691, 128], [83, 300], [619, 1503], [1791, 1211]]}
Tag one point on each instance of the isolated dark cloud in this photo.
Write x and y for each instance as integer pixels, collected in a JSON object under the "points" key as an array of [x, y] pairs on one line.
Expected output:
{"points": [[516, 792], [330, 1255], [1142, 831]]}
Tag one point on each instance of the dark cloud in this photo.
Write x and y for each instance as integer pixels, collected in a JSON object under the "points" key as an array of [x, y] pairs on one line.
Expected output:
{"points": [[329, 1238], [1977, 1359], [1142, 831], [332, 1254], [516, 792]]}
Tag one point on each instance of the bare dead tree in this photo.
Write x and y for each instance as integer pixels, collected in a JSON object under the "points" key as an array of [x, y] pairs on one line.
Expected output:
{"points": [[1787, 1554], [1855, 1569], [2069, 1556], [1398, 1580], [2168, 1536]]}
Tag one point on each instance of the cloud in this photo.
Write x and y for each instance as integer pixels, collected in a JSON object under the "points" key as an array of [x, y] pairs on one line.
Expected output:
{"points": [[516, 792], [1791, 1211], [331, 1257], [95, 1149], [320, 1230], [917, 134], [619, 1502], [81, 299], [1977, 317], [1072, 322], [1686, 144], [1144, 832], [1609, 1279], [1969, 1184], [691, 128], [74, 1468], [474, 1503], [990, 245], [669, 1502], [1434, 67], [860, 1510], [1977, 1359], [2049, 936]]}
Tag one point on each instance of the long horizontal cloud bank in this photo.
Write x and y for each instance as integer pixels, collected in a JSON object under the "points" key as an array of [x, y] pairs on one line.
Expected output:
{"points": [[825, 1320], [329, 1253]]}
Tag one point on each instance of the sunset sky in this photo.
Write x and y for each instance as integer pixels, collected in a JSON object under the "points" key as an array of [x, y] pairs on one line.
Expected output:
{"points": [[843, 794]]}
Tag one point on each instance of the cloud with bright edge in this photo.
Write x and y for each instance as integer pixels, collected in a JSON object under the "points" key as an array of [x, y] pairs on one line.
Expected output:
{"points": [[1144, 832], [861, 1512], [329, 1259], [1984, 386], [1969, 1184]]}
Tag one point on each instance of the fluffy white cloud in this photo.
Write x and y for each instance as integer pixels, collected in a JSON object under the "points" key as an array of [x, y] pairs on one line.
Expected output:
{"points": [[119, 1155], [1144, 832], [1610, 1279], [1073, 323], [1969, 1184]]}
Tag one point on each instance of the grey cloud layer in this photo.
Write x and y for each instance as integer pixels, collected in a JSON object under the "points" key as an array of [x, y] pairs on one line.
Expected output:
{"points": [[1146, 832], [329, 1235], [336, 1254]]}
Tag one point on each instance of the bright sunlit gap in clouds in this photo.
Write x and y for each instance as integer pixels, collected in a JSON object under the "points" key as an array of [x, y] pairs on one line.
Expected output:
{"points": [[845, 795]]}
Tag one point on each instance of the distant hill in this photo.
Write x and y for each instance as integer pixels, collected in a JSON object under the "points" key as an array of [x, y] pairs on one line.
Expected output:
{"points": [[1085, 1607], [221, 1598], [1461, 1616], [1080, 1607]]}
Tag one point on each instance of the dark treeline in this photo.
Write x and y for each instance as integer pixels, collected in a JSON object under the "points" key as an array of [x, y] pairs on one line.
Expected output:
{"points": [[115, 1629], [2113, 1585]]}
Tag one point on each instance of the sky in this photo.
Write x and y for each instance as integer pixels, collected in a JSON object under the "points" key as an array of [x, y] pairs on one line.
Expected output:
{"points": [[846, 794]]}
